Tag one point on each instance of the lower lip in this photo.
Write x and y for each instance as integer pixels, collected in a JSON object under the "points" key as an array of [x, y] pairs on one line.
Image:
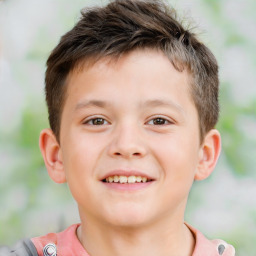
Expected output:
{"points": [[127, 186]]}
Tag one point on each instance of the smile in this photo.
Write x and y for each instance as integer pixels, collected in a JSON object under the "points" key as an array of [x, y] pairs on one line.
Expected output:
{"points": [[126, 179]]}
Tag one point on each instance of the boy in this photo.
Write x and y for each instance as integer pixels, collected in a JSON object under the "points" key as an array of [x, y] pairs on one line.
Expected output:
{"points": [[133, 100]]}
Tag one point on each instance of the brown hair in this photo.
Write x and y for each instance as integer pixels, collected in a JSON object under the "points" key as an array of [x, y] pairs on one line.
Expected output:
{"points": [[123, 26]]}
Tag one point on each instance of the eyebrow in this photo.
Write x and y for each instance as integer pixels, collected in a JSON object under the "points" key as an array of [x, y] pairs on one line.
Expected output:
{"points": [[162, 102], [148, 103], [92, 103]]}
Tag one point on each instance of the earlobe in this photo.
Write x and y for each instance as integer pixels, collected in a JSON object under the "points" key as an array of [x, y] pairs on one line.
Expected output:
{"points": [[51, 152], [208, 155]]}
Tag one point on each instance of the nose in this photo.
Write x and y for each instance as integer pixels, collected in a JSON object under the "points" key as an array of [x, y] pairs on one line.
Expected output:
{"points": [[128, 142]]}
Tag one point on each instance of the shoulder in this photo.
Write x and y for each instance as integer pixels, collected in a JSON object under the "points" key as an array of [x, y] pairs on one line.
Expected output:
{"points": [[64, 243], [22, 248], [215, 247]]}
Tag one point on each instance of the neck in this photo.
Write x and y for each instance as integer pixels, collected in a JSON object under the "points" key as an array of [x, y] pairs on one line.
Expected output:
{"points": [[163, 238]]}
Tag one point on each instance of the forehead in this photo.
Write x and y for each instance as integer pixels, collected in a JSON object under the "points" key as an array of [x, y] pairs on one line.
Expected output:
{"points": [[140, 72], [134, 56], [115, 60]]}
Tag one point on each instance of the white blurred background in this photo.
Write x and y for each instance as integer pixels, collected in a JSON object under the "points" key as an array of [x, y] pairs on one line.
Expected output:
{"points": [[31, 204]]}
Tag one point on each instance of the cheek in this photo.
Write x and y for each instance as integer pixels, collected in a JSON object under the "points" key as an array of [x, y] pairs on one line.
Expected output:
{"points": [[178, 168], [79, 155], [178, 158], [78, 166]]}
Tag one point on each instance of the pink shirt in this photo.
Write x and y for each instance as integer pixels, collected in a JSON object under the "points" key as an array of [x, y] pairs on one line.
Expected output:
{"points": [[68, 244]]}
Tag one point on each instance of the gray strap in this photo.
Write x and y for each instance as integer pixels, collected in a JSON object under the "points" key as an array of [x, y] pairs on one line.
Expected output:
{"points": [[22, 248]]}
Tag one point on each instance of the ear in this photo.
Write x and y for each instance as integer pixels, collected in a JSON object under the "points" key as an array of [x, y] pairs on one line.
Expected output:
{"points": [[51, 152], [208, 154]]}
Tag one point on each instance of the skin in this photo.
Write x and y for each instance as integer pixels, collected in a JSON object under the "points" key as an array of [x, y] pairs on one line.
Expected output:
{"points": [[128, 95]]}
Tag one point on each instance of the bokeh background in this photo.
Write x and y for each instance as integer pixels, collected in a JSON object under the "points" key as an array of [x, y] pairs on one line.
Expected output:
{"points": [[224, 206]]}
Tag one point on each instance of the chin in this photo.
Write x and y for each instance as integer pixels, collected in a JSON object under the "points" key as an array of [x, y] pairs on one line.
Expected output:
{"points": [[128, 218], [128, 223]]}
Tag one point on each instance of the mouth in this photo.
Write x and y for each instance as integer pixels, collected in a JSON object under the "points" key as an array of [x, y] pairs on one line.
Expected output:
{"points": [[122, 179]]}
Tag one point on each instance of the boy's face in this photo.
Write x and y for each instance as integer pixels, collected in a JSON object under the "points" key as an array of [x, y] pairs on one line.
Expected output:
{"points": [[132, 117]]}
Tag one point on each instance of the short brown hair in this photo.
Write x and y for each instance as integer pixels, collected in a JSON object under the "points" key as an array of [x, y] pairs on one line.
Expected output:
{"points": [[121, 27]]}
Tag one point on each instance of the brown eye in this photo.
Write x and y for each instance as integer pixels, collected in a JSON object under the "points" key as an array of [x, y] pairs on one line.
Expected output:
{"points": [[96, 121], [159, 121]]}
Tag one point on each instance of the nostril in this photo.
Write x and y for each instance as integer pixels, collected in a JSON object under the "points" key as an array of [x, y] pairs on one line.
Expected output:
{"points": [[127, 154]]}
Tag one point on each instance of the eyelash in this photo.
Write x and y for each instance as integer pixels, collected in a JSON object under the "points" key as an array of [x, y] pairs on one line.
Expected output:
{"points": [[153, 120], [159, 119], [91, 121]]}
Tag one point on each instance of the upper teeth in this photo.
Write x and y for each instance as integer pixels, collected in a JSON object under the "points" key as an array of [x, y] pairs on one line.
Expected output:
{"points": [[125, 179]]}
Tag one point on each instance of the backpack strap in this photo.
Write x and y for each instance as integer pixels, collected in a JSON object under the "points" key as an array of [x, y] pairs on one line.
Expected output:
{"points": [[22, 248]]}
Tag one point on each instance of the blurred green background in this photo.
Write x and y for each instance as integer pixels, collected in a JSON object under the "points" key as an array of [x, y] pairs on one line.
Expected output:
{"points": [[224, 206]]}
